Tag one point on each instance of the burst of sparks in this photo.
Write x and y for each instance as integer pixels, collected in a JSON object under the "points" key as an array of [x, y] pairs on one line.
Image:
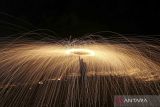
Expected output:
{"points": [[79, 51], [24, 65]]}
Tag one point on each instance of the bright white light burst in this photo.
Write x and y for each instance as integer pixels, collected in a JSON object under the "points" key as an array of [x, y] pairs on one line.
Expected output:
{"points": [[80, 51]]}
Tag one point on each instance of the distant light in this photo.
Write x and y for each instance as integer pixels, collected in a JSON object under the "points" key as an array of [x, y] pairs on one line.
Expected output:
{"points": [[40, 82]]}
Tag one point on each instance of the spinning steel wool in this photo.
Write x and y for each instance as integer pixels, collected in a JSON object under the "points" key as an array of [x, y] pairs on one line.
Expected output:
{"points": [[53, 74]]}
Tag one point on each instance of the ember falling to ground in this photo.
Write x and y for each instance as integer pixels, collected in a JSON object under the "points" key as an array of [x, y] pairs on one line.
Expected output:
{"points": [[76, 73]]}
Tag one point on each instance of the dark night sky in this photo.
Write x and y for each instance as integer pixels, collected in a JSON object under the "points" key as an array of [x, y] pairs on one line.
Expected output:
{"points": [[75, 17]]}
